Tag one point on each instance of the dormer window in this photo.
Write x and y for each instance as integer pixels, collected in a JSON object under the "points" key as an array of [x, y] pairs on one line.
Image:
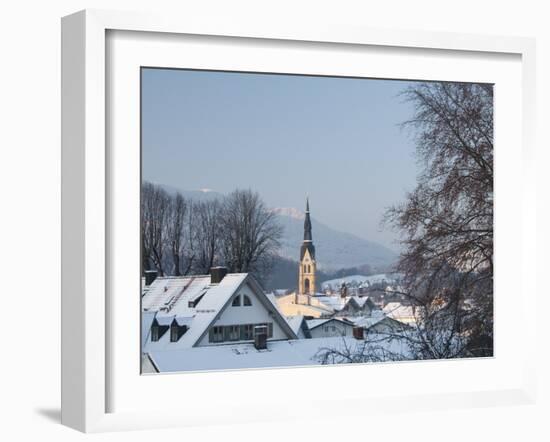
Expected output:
{"points": [[246, 301], [176, 331], [157, 330], [236, 302]]}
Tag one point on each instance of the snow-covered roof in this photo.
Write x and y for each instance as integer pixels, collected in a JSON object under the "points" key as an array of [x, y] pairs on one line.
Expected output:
{"points": [[298, 352], [170, 298], [369, 321], [273, 299], [147, 364], [164, 320], [280, 292], [295, 322], [146, 321], [314, 323], [333, 302], [361, 300], [170, 295], [397, 310]]}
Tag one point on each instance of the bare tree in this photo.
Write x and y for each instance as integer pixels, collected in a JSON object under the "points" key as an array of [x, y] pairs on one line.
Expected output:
{"points": [[207, 234], [178, 234], [400, 344], [250, 233], [447, 226], [155, 204], [447, 221]]}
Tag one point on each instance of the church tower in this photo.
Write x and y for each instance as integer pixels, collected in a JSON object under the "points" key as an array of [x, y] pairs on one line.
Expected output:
{"points": [[308, 265]]}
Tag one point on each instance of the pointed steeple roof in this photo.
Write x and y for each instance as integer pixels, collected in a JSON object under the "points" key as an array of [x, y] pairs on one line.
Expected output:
{"points": [[308, 237], [307, 223]]}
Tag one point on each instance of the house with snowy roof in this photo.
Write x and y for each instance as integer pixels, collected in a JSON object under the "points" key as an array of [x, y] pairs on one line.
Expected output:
{"points": [[400, 312], [379, 323], [295, 304], [357, 306], [209, 310], [329, 327], [299, 326]]}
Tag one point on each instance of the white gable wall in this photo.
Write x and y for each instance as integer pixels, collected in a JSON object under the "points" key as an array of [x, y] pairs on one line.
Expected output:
{"points": [[254, 314], [331, 329]]}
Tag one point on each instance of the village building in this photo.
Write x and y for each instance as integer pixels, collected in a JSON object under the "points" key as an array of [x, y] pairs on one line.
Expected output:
{"points": [[226, 321], [400, 312], [378, 323], [331, 327], [299, 326], [357, 306], [209, 310], [304, 305]]}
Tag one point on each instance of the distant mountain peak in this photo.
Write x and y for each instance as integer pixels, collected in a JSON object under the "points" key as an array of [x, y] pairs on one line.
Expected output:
{"points": [[335, 249], [291, 212]]}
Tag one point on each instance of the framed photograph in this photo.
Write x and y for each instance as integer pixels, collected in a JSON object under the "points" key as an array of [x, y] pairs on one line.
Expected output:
{"points": [[252, 211]]}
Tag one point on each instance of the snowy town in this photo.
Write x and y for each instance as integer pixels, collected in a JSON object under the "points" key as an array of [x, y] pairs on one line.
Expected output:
{"points": [[227, 321], [307, 228]]}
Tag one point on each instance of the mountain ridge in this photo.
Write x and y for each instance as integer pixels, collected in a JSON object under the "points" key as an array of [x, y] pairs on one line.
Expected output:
{"points": [[335, 249]]}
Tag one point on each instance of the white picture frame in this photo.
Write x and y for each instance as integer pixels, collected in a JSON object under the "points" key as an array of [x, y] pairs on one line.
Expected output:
{"points": [[87, 203]]}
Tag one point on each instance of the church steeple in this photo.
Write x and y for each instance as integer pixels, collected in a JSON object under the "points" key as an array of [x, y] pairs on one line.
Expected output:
{"points": [[308, 265], [307, 223]]}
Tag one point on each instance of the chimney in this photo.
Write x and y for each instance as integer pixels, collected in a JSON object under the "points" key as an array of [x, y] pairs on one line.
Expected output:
{"points": [[260, 337], [217, 274], [358, 333], [150, 276]]}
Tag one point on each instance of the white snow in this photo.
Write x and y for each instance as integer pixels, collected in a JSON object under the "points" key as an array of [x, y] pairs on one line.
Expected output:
{"points": [[291, 212], [295, 322], [294, 353], [361, 280]]}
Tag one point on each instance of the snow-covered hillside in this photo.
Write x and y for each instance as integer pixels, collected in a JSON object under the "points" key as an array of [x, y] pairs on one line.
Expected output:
{"points": [[197, 195], [360, 280], [335, 249]]}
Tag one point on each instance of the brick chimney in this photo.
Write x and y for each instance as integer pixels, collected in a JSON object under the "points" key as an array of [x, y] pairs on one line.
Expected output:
{"points": [[217, 274], [150, 276], [358, 333]]}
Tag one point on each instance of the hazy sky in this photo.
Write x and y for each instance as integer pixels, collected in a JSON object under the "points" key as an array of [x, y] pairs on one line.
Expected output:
{"points": [[336, 139]]}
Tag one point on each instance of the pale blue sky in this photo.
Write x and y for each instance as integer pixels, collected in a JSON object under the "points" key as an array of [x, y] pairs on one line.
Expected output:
{"points": [[336, 139]]}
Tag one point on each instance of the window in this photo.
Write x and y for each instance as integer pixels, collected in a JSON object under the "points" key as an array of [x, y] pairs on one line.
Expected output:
{"points": [[216, 334], [232, 333], [237, 301], [174, 333], [246, 301], [247, 332], [154, 333], [157, 331]]}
